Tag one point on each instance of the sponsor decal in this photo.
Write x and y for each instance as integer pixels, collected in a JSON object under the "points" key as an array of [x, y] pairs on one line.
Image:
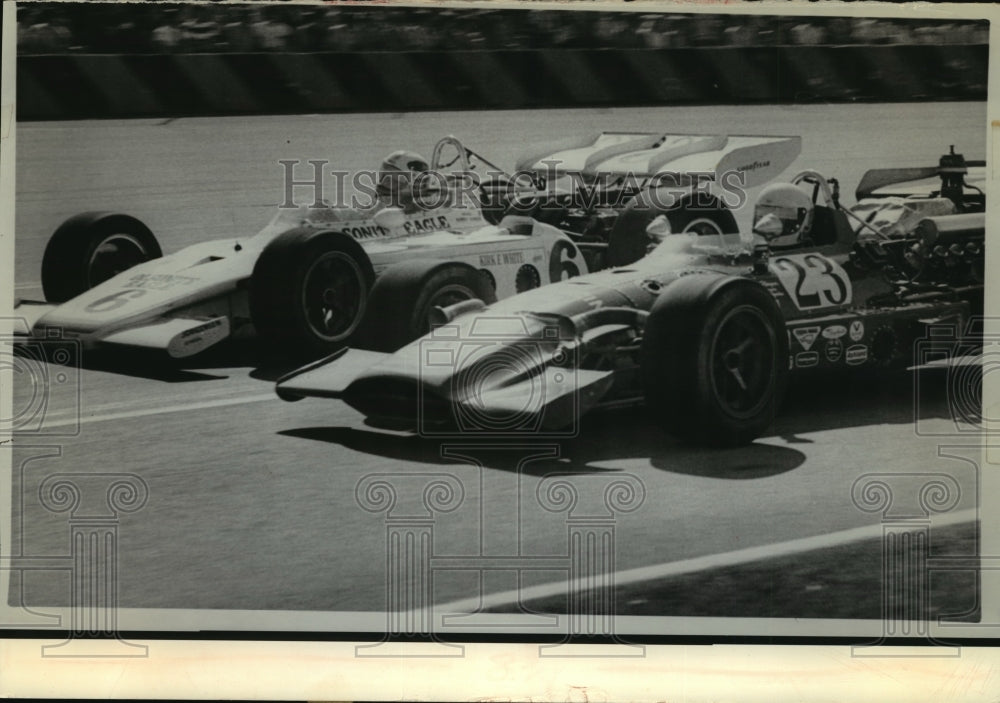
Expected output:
{"points": [[833, 350], [812, 281], [857, 354], [834, 331], [158, 281], [857, 330], [806, 359], [502, 258], [201, 328], [366, 231], [426, 224], [754, 166], [806, 336]]}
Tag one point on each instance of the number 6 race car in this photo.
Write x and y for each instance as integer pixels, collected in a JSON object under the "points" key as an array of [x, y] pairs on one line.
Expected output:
{"points": [[305, 282], [706, 329]]}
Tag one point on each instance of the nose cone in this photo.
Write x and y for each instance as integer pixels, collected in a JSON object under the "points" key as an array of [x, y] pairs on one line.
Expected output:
{"points": [[481, 363]]}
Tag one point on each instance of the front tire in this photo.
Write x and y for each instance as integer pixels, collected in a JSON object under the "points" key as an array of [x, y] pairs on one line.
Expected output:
{"points": [[404, 295], [309, 291], [714, 371], [628, 241], [90, 248]]}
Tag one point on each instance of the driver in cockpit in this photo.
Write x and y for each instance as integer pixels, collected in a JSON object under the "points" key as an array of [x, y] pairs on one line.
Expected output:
{"points": [[397, 175], [783, 215]]}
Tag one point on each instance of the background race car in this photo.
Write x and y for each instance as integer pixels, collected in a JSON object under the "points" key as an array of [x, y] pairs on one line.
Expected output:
{"points": [[706, 328], [608, 187]]}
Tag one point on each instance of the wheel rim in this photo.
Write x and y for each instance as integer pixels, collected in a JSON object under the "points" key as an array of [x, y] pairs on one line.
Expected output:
{"points": [[334, 295], [451, 294], [527, 278], [114, 254], [742, 362]]}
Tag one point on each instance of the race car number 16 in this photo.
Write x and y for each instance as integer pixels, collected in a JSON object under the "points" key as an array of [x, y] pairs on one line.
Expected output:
{"points": [[812, 281]]}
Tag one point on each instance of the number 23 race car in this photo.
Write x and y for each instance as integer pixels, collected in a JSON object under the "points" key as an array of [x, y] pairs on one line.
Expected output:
{"points": [[706, 328]]}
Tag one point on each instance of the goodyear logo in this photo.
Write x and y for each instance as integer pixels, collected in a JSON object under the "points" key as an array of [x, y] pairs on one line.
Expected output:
{"points": [[754, 166]]}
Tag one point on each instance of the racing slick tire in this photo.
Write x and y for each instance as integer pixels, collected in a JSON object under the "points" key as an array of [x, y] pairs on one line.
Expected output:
{"points": [[89, 248], [628, 241], [309, 291], [714, 360], [404, 295]]}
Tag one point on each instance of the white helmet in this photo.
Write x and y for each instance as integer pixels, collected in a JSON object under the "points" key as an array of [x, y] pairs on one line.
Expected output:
{"points": [[405, 161], [783, 214], [396, 176]]}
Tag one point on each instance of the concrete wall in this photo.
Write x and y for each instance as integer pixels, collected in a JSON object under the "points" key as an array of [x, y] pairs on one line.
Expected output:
{"points": [[92, 86]]}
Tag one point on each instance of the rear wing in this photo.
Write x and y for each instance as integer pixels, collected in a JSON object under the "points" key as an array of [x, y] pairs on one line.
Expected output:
{"points": [[688, 157], [914, 181]]}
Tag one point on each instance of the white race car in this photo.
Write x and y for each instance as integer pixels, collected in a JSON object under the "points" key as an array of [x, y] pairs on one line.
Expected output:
{"points": [[303, 283]]}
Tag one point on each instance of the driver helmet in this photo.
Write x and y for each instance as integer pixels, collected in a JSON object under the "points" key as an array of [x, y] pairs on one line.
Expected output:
{"points": [[783, 214], [396, 176]]}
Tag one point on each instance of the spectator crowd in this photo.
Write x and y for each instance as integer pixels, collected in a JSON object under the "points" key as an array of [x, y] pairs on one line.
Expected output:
{"points": [[166, 27]]}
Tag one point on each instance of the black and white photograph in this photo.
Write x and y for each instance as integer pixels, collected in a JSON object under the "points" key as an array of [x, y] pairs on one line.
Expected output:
{"points": [[409, 326]]}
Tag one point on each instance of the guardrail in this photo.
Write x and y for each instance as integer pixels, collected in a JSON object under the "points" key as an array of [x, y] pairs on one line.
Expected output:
{"points": [[94, 86]]}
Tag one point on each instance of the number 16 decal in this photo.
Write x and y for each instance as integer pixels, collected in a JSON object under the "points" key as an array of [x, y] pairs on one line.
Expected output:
{"points": [[812, 281]]}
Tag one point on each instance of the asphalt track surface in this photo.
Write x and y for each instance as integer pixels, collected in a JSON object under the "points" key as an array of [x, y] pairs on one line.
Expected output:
{"points": [[252, 500]]}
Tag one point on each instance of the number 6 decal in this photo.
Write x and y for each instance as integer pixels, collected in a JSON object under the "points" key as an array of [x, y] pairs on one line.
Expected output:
{"points": [[559, 267], [812, 281], [115, 300]]}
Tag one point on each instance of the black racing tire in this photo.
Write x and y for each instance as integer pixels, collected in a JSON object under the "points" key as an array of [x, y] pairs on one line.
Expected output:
{"points": [[89, 248], [405, 293], [309, 292], [714, 368], [628, 241]]}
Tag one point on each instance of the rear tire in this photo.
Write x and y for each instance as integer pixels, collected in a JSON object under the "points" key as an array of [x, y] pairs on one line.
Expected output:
{"points": [[89, 248], [404, 294], [309, 292], [629, 242], [714, 372]]}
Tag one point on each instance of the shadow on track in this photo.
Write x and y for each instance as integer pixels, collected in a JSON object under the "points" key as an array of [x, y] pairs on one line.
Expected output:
{"points": [[221, 359], [627, 434]]}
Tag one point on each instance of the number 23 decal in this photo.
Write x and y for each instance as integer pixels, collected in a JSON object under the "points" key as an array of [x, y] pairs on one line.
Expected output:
{"points": [[812, 281]]}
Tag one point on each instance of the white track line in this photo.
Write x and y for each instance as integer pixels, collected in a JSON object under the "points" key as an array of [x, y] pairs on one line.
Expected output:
{"points": [[688, 566], [223, 402]]}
